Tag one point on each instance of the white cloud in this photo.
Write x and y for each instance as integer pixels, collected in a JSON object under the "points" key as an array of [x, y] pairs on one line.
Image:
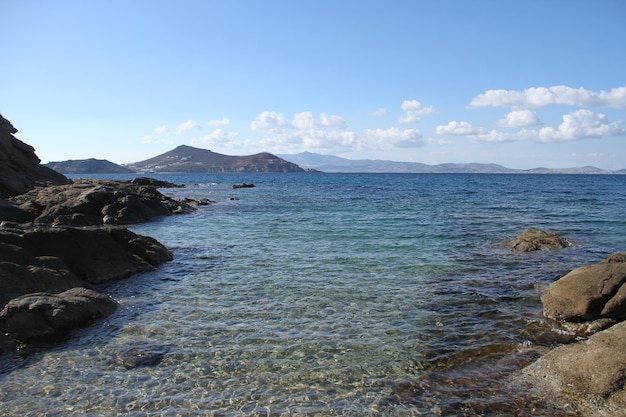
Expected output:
{"points": [[379, 113], [581, 124], [161, 129], [219, 122], [188, 125], [543, 96], [404, 138], [412, 110], [332, 121], [218, 137], [270, 122], [520, 118], [458, 129]]}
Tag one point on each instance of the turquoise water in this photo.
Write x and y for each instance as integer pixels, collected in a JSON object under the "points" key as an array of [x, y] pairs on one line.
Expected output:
{"points": [[332, 294]]}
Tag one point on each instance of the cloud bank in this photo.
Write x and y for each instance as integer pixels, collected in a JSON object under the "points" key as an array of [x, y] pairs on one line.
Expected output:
{"points": [[537, 97]]}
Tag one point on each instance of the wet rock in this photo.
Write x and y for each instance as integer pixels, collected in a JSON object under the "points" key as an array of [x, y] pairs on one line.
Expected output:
{"points": [[243, 185], [589, 293], [144, 355], [45, 316], [533, 239]]}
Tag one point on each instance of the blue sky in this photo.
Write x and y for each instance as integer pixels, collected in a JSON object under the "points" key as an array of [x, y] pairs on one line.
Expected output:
{"points": [[520, 83]]}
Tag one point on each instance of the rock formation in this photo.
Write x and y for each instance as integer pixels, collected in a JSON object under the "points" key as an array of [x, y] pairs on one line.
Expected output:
{"points": [[536, 239], [20, 169], [589, 293], [46, 263], [44, 316], [590, 374], [88, 202]]}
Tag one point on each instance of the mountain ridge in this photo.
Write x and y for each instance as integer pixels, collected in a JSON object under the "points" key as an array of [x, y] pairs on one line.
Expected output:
{"points": [[331, 163]]}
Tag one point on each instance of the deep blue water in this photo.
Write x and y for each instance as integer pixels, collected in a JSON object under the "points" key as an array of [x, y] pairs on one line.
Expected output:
{"points": [[333, 294]]}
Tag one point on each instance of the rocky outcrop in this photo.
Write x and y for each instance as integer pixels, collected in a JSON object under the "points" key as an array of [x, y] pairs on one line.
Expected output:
{"points": [[45, 264], [57, 259], [589, 375], [533, 239], [44, 316], [88, 202], [589, 293], [20, 169]]}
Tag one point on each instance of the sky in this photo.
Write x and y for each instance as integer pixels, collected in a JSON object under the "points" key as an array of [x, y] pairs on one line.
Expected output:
{"points": [[523, 84]]}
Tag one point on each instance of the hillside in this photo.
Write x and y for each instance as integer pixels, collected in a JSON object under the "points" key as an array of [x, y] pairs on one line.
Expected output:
{"points": [[88, 166], [189, 159]]}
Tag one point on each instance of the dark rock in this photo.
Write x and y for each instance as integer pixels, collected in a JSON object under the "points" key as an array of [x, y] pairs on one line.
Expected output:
{"points": [[89, 202], [243, 185], [589, 293], [45, 316], [533, 239], [142, 355], [57, 259], [20, 168], [155, 183]]}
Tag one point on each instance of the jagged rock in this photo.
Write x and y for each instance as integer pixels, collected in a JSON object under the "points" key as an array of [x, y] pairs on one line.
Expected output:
{"points": [[45, 316], [590, 374], [533, 239], [93, 202], [589, 293], [20, 168]]}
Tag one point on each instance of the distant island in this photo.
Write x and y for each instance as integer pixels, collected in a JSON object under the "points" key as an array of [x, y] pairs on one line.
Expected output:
{"points": [[88, 166], [329, 163], [196, 160]]}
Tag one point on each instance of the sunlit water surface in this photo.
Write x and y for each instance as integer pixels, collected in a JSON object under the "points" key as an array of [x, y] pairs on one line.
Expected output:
{"points": [[331, 294]]}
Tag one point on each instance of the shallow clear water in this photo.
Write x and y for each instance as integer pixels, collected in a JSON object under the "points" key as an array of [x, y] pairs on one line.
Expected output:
{"points": [[332, 294]]}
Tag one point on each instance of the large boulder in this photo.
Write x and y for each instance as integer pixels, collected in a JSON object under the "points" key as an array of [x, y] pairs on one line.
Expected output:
{"points": [[44, 316], [590, 374], [533, 239], [93, 256], [20, 168], [589, 293]]}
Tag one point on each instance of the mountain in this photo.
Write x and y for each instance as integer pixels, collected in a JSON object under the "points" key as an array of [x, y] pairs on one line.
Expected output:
{"points": [[328, 163], [88, 166], [189, 159]]}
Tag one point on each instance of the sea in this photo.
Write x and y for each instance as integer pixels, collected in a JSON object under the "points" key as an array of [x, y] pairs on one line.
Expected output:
{"points": [[319, 294]]}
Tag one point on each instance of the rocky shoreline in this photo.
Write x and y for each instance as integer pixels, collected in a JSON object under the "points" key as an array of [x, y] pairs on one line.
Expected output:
{"points": [[59, 238]]}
